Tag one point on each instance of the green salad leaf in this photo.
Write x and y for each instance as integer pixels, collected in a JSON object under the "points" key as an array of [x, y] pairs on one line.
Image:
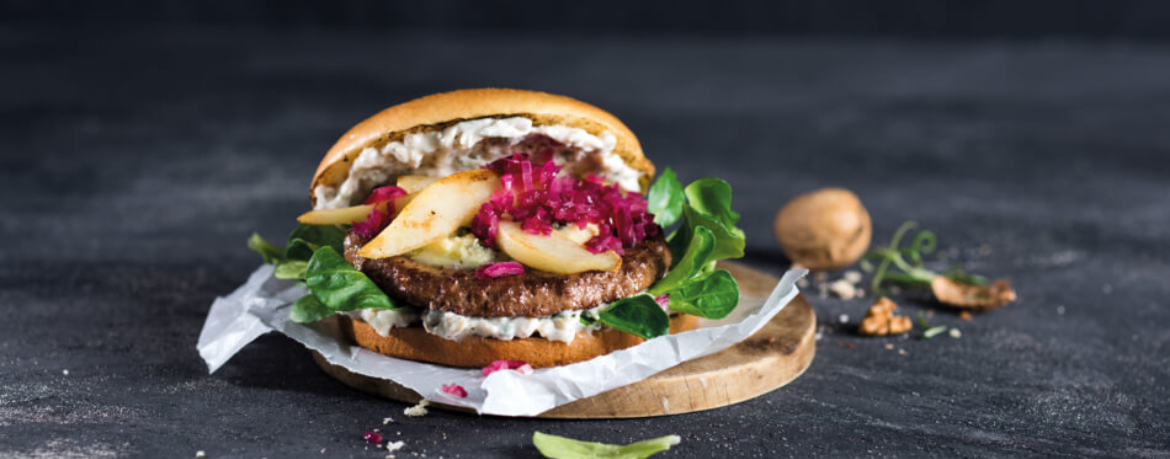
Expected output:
{"points": [[270, 253], [291, 269], [556, 447], [693, 263], [339, 286], [706, 234], [713, 296], [665, 199], [309, 309], [637, 315], [306, 239], [712, 196], [729, 240]]}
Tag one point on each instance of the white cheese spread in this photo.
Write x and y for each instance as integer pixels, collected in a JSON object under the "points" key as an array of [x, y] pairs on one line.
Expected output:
{"points": [[562, 326], [440, 153]]}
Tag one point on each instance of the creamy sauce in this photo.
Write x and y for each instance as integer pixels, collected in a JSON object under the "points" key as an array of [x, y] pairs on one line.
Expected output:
{"points": [[561, 327], [444, 152]]}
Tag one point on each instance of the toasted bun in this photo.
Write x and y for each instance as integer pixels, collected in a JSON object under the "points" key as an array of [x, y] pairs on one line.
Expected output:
{"points": [[438, 110], [414, 343]]}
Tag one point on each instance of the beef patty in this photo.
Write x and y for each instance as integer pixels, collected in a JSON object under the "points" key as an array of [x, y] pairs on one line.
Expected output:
{"points": [[532, 294]]}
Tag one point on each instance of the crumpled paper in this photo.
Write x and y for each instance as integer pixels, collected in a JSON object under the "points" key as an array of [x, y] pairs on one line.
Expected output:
{"points": [[261, 305]]}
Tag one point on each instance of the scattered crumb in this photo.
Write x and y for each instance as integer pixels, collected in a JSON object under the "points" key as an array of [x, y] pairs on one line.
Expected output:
{"points": [[376, 430], [843, 289], [881, 321], [903, 352], [965, 316], [848, 345], [853, 276], [200, 453], [417, 410], [889, 346], [955, 333], [322, 450], [894, 289], [860, 293], [802, 283], [823, 290], [387, 421], [843, 318], [1060, 310], [65, 372], [985, 249], [821, 276], [820, 335]]}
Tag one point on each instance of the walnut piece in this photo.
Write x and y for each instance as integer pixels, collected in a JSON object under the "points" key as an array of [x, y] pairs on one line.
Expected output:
{"points": [[881, 321], [976, 298]]}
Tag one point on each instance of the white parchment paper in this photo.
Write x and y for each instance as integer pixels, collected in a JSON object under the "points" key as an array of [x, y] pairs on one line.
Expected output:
{"points": [[261, 305]]}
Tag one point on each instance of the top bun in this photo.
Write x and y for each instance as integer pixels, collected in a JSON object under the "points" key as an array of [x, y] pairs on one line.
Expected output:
{"points": [[439, 110]]}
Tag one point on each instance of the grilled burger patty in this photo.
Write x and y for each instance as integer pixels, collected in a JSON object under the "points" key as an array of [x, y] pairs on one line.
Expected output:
{"points": [[531, 294]]}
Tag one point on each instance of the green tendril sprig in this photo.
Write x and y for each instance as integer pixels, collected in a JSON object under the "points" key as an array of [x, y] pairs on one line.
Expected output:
{"points": [[902, 265]]}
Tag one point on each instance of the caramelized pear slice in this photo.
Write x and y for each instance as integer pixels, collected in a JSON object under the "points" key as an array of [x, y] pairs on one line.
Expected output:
{"points": [[553, 253], [434, 213]]}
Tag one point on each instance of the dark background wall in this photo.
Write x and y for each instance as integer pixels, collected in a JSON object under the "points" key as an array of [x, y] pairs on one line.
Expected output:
{"points": [[1014, 19]]}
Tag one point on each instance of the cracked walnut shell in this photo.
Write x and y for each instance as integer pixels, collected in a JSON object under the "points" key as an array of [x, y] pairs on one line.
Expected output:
{"points": [[881, 321], [973, 297]]}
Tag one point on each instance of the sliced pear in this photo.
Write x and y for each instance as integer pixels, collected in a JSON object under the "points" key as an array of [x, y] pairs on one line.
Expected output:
{"points": [[579, 235], [434, 213], [415, 183], [346, 215], [553, 253], [342, 216]]}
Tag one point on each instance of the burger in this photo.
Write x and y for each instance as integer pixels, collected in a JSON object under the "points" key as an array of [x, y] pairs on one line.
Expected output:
{"points": [[487, 225]]}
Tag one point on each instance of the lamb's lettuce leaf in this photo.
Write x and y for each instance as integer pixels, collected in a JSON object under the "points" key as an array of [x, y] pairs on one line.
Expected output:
{"points": [[309, 309], [306, 239], [706, 234], [637, 315], [269, 252], [694, 261], [712, 296], [665, 199], [340, 287], [290, 269], [556, 447], [712, 196]]}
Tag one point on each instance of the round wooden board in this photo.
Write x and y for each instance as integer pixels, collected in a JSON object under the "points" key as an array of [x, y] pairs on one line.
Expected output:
{"points": [[773, 357]]}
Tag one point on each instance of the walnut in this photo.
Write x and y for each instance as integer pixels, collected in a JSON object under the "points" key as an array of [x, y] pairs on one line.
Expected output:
{"points": [[881, 321], [976, 298], [825, 229]]}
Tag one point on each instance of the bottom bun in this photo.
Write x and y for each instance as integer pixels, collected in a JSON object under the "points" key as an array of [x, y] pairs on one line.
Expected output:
{"points": [[414, 343]]}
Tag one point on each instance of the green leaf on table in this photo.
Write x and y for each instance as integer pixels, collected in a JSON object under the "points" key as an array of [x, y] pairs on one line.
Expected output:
{"points": [[665, 199], [693, 262], [269, 252], [309, 309], [341, 287], [712, 296], [637, 315], [306, 239], [712, 196], [556, 447]]}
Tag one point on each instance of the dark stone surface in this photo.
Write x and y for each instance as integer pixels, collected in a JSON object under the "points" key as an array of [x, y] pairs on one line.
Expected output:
{"points": [[135, 164]]}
